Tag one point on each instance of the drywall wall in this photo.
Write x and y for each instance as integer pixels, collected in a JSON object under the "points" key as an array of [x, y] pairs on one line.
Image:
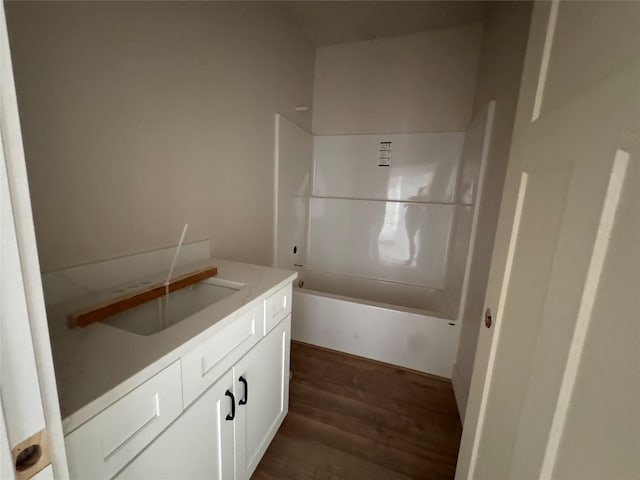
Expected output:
{"points": [[139, 117], [422, 82], [503, 49]]}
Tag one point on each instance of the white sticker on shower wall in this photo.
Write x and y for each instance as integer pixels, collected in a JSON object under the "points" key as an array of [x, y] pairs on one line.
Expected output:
{"points": [[425, 166], [384, 154]]}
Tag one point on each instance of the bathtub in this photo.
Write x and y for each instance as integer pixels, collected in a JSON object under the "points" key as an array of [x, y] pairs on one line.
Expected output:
{"points": [[417, 335]]}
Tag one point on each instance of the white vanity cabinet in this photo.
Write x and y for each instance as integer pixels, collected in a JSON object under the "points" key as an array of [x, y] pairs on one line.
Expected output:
{"points": [[217, 353], [211, 414], [198, 445], [99, 448], [262, 383], [201, 443]]}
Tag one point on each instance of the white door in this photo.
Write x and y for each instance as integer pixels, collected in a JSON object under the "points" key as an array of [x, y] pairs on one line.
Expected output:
{"points": [[30, 424], [197, 446], [262, 393], [555, 392]]}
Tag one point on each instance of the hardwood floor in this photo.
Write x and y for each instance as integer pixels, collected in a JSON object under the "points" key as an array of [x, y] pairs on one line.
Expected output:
{"points": [[352, 418]]}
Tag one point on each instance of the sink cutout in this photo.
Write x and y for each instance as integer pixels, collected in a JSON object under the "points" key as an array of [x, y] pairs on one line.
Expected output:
{"points": [[164, 312]]}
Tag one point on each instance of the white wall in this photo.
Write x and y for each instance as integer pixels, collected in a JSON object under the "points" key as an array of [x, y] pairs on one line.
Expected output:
{"points": [[423, 82], [139, 117], [408, 84], [374, 232], [503, 49], [390, 222], [294, 164]]}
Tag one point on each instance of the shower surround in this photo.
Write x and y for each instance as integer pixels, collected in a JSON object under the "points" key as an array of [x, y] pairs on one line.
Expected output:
{"points": [[379, 228]]}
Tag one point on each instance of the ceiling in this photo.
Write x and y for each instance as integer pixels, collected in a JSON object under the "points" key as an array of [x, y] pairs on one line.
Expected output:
{"points": [[333, 22]]}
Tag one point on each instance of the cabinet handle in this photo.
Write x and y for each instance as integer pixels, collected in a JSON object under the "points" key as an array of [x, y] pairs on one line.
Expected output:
{"points": [[232, 415], [246, 391]]}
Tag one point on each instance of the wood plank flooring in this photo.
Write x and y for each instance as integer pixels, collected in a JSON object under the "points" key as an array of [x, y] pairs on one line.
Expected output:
{"points": [[352, 418]]}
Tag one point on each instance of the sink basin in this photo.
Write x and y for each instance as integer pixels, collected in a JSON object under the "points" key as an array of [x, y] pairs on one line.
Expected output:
{"points": [[160, 314]]}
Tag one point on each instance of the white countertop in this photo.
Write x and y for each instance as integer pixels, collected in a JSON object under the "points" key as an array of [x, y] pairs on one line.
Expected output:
{"points": [[98, 364]]}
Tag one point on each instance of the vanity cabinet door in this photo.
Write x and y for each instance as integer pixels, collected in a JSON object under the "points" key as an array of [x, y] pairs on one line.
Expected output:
{"points": [[262, 386], [197, 446], [103, 445]]}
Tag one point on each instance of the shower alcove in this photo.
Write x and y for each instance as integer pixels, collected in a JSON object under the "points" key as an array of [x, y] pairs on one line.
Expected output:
{"points": [[380, 228]]}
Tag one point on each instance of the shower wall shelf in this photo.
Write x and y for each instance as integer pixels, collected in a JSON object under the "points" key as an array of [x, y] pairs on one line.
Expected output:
{"points": [[385, 200]]}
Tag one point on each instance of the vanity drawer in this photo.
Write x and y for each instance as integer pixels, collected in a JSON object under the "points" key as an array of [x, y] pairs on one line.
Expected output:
{"points": [[101, 447], [202, 366], [278, 307]]}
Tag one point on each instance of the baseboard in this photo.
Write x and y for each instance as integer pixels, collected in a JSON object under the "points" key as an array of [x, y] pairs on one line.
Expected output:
{"points": [[460, 392]]}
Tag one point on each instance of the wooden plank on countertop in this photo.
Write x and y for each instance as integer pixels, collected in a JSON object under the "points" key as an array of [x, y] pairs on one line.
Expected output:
{"points": [[132, 299]]}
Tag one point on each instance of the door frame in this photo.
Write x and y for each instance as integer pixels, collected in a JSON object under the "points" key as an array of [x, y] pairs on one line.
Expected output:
{"points": [[511, 205], [34, 324]]}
